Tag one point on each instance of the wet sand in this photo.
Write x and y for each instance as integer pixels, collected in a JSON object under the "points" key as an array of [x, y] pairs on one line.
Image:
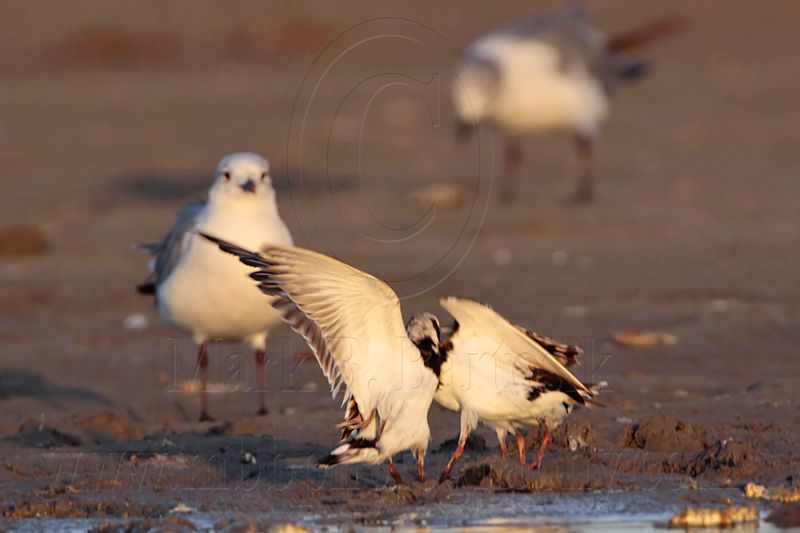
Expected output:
{"points": [[695, 234]]}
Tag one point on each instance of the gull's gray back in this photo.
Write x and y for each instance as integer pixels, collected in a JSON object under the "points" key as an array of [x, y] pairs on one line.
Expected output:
{"points": [[185, 221], [578, 42], [168, 252]]}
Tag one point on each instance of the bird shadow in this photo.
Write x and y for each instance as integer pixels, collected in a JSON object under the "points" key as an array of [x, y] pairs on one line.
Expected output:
{"points": [[213, 458], [23, 383], [191, 185]]}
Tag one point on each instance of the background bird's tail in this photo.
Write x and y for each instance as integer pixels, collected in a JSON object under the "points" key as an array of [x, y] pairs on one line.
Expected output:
{"points": [[355, 451], [640, 36]]}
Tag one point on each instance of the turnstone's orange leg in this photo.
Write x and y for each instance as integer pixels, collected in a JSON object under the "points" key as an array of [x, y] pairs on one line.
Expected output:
{"points": [[456, 456], [503, 446], [419, 456], [395, 473], [539, 455], [520, 447]]}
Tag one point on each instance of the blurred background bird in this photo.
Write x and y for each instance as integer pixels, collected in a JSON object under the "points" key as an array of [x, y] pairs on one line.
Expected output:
{"points": [[554, 73], [200, 290]]}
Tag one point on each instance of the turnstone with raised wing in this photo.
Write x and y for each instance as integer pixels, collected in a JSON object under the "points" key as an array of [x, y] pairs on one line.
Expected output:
{"points": [[486, 367], [353, 323]]}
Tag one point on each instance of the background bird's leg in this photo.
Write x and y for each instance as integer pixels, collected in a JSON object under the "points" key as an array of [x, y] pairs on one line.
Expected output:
{"points": [[262, 393], [395, 473], [202, 362], [539, 455], [520, 447], [419, 455], [501, 438], [585, 191], [513, 158]]}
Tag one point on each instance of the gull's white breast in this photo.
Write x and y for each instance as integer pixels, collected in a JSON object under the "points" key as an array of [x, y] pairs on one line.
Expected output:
{"points": [[209, 292], [537, 92]]}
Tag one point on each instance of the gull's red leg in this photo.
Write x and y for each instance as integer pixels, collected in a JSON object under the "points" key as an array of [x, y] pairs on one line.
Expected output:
{"points": [[202, 362], [262, 393]]}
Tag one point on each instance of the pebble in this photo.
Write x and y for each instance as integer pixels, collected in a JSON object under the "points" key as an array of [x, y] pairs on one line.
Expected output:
{"points": [[135, 322], [575, 311], [502, 257], [22, 241], [442, 195], [559, 258], [182, 508]]}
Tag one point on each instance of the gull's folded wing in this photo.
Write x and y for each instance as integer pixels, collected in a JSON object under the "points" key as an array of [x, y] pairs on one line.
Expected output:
{"points": [[168, 252]]}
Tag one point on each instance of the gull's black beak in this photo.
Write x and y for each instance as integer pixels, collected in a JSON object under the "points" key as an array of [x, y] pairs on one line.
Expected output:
{"points": [[464, 131], [249, 186]]}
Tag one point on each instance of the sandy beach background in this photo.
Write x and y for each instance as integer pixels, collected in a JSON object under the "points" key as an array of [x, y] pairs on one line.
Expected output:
{"points": [[114, 114]]}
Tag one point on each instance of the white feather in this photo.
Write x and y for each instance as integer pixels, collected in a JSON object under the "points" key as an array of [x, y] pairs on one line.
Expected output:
{"points": [[353, 323], [206, 292]]}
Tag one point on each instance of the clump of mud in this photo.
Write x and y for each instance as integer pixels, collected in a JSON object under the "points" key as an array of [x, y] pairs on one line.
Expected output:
{"points": [[22, 241], [731, 458], [76, 431], [171, 524], [663, 433], [65, 501], [573, 434], [785, 516], [559, 471], [677, 447], [37, 435], [105, 427]]}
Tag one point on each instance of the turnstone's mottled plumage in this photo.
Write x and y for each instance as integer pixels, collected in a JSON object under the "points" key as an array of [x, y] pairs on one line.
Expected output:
{"points": [[496, 372]]}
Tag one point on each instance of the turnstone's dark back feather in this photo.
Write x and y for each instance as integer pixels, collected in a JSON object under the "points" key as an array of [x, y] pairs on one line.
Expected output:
{"points": [[567, 354]]}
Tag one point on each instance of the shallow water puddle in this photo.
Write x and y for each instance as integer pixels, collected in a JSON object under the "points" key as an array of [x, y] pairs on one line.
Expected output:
{"points": [[468, 512]]}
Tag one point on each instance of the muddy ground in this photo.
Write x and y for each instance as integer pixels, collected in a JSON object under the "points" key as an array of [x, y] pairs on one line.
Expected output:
{"points": [[112, 115]]}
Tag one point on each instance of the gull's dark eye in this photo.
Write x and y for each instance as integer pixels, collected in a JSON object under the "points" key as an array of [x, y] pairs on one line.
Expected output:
{"points": [[263, 176], [227, 176]]}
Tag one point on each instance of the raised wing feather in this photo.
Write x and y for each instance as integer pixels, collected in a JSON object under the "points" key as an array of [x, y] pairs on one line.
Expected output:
{"points": [[514, 347], [350, 319]]}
